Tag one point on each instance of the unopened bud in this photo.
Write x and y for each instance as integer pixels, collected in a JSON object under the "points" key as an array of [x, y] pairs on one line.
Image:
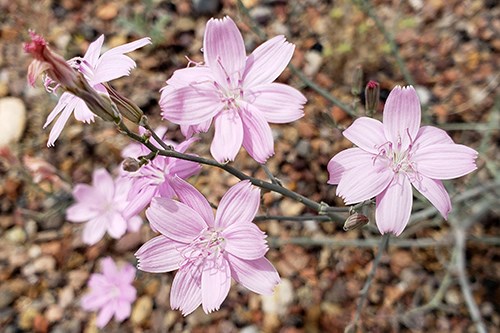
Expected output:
{"points": [[126, 107], [131, 164], [47, 61], [372, 97], [355, 221], [357, 81], [100, 104]]}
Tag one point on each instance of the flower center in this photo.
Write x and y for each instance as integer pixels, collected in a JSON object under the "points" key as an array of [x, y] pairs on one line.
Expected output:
{"points": [[397, 159], [208, 246]]}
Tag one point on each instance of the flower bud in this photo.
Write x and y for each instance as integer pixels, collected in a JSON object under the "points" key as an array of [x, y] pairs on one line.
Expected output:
{"points": [[47, 61], [131, 164], [355, 221], [372, 97], [126, 107], [357, 81], [100, 104]]}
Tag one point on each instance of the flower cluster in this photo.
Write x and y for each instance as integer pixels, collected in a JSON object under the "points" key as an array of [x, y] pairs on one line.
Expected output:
{"points": [[236, 93]]}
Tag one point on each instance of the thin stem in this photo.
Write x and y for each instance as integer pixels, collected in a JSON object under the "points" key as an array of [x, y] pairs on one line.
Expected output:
{"points": [[366, 6], [292, 218], [384, 242], [235, 172], [155, 136], [262, 35], [464, 281], [269, 174]]}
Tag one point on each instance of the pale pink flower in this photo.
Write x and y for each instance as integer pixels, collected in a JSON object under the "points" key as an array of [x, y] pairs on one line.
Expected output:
{"points": [[111, 65], [235, 91], [393, 155], [208, 251], [103, 206], [112, 292], [155, 178]]}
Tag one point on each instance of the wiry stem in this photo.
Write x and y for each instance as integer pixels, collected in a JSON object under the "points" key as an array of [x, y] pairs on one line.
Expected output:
{"points": [[235, 172], [384, 242]]}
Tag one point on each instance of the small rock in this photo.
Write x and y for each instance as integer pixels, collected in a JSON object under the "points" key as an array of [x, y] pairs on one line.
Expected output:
{"points": [[54, 313], [27, 317], [6, 297], [13, 115], [142, 310], [424, 95], [16, 235], [66, 297], [206, 7], [40, 324], [314, 60], [77, 278], [278, 302], [44, 264], [107, 11], [261, 14]]}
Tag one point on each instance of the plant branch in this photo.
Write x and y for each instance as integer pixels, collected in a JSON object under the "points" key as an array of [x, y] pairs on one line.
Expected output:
{"points": [[384, 242], [319, 207]]}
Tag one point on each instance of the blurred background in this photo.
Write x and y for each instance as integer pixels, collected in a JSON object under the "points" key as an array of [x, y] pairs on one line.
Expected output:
{"points": [[449, 50]]}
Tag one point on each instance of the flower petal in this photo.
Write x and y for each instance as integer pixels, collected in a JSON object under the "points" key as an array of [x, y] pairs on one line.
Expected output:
{"points": [[159, 255], [60, 122], [189, 195], [445, 161], [257, 137], [430, 135], [108, 268], [114, 64], [224, 50], [435, 192], [94, 230], [367, 134], [183, 169], [191, 105], [122, 311], [345, 161], [186, 289], [140, 200], [64, 100], [267, 61], [215, 284], [106, 313], [401, 116], [364, 182], [257, 275], [82, 112], [117, 225], [393, 206], [228, 136], [246, 241], [175, 220], [93, 51], [238, 205], [80, 212], [277, 102], [189, 76], [104, 183]]}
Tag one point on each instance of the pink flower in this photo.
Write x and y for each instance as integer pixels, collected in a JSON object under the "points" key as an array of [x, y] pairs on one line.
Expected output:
{"points": [[155, 178], [207, 251], [111, 65], [103, 206], [235, 91], [111, 292], [394, 155]]}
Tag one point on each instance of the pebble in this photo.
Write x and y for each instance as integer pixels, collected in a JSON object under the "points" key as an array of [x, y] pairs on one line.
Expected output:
{"points": [[44, 264], [27, 317], [261, 14], [278, 302], [54, 313], [13, 115], [66, 297], [16, 235], [77, 278], [142, 310]]}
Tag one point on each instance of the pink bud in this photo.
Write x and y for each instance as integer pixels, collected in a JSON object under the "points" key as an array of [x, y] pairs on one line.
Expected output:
{"points": [[372, 96], [355, 221]]}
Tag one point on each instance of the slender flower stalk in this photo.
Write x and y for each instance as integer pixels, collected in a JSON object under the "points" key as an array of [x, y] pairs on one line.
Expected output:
{"points": [[234, 91], [207, 251], [394, 155]]}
